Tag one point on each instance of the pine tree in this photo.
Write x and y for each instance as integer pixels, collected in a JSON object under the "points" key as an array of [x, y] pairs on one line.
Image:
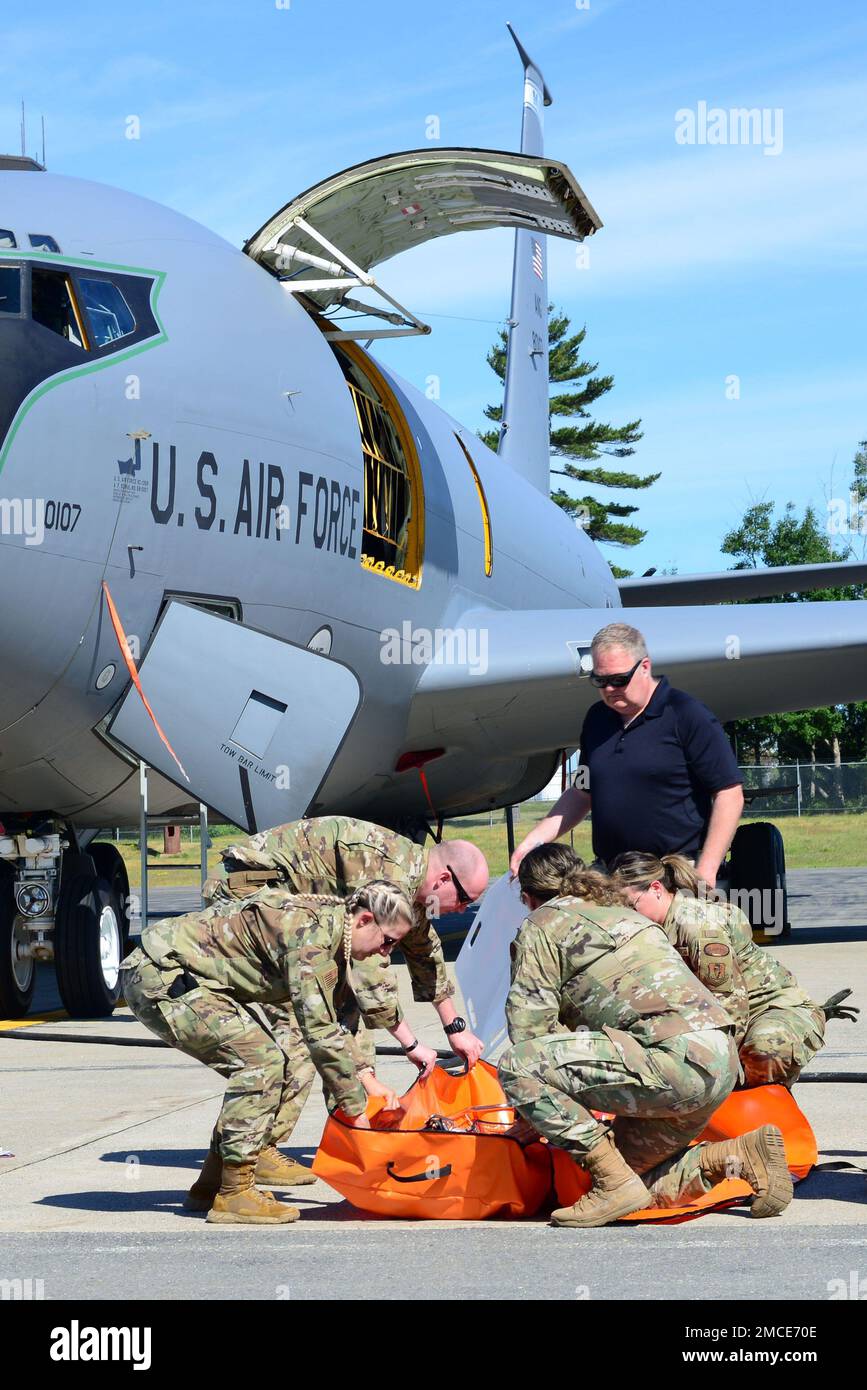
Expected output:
{"points": [[581, 444]]}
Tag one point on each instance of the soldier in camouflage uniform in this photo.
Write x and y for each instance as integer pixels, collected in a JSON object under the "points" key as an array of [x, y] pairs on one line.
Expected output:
{"points": [[604, 1015], [337, 854], [779, 1027], [193, 981]]}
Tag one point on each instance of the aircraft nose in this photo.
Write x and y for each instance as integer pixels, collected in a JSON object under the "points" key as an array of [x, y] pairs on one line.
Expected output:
{"points": [[38, 587]]}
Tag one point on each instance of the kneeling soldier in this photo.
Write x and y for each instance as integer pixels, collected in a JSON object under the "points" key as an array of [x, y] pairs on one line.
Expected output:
{"points": [[192, 982], [604, 1015], [780, 1028]]}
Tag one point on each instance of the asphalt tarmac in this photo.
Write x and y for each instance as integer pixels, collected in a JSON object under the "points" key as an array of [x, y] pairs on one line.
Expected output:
{"points": [[107, 1136]]}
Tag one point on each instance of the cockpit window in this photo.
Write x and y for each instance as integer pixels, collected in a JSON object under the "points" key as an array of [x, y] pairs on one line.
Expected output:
{"points": [[10, 289], [40, 242], [53, 305], [7, 240], [108, 314]]}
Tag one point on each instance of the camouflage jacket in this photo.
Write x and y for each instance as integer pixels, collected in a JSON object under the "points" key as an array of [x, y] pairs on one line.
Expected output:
{"points": [[769, 984], [576, 965], [336, 854], [699, 932], [265, 949]]}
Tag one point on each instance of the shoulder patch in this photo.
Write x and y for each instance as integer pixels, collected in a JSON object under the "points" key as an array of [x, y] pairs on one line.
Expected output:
{"points": [[328, 974], [716, 948]]}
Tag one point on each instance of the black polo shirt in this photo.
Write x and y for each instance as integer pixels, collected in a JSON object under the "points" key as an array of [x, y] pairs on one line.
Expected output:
{"points": [[651, 784]]}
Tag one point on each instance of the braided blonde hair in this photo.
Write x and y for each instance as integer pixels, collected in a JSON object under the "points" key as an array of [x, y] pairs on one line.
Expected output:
{"points": [[387, 901]]}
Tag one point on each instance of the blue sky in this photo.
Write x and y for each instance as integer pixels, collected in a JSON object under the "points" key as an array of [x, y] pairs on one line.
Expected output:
{"points": [[714, 260]]}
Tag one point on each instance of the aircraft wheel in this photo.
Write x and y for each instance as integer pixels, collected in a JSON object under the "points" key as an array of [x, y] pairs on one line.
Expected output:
{"points": [[89, 946], [109, 864], [17, 972]]}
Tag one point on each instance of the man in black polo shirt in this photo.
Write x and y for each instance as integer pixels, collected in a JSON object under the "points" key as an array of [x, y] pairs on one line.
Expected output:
{"points": [[656, 766]]}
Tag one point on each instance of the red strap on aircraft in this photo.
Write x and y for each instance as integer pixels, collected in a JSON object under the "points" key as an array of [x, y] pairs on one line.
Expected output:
{"points": [[421, 773], [131, 667]]}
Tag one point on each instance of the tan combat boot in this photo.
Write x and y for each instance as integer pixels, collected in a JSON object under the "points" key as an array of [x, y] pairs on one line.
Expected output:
{"points": [[758, 1158], [239, 1203], [276, 1170], [207, 1184], [617, 1190]]}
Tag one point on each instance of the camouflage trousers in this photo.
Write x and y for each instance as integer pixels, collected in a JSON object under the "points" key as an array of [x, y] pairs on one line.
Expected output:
{"points": [[662, 1098], [779, 1042], [285, 1031], [268, 1072]]}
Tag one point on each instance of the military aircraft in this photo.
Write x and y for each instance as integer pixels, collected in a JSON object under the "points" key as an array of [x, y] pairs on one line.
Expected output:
{"points": [[237, 547]]}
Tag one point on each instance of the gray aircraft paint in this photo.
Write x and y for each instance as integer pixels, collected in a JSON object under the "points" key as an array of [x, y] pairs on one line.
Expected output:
{"points": [[215, 386]]}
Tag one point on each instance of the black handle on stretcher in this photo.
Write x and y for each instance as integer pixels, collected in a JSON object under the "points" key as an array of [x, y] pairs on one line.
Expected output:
{"points": [[419, 1177]]}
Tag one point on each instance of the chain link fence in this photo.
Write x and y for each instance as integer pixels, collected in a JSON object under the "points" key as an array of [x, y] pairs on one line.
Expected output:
{"points": [[783, 789], [806, 788]]}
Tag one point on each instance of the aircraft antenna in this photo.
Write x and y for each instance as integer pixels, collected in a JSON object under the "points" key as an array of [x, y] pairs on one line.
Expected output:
{"points": [[43, 143], [23, 132]]}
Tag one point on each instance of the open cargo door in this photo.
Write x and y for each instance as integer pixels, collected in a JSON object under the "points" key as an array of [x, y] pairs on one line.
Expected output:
{"points": [[255, 721], [328, 239]]}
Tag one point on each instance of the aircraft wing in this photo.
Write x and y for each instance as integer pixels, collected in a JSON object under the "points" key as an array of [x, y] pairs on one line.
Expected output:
{"points": [[526, 688], [665, 590], [378, 209]]}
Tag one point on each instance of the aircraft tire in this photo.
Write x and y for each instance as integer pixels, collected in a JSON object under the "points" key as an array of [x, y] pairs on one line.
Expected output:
{"points": [[109, 864], [89, 946], [17, 975]]}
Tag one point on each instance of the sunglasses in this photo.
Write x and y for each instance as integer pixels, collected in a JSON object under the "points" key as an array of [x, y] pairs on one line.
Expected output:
{"points": [[388, 940], [616, 682], [463, 896]]}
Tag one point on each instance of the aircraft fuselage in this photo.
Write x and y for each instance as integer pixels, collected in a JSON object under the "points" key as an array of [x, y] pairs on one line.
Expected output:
{"points": [[214, 454]]}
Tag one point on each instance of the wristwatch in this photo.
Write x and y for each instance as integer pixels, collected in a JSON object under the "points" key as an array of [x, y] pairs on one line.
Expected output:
{"points": [[457, 1025]]}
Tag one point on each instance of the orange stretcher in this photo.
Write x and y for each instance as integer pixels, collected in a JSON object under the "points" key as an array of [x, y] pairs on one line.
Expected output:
{"points": [[409, 1164], [447, 1154]]}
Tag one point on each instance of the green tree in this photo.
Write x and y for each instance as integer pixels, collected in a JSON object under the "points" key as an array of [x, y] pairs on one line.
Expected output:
{"points": [[838, 731], [581, 444], [858, 489]]}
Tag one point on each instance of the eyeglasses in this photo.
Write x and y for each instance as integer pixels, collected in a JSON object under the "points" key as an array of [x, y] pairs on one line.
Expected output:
{"points": [[463, 896], [616, 682], [388, 941]]}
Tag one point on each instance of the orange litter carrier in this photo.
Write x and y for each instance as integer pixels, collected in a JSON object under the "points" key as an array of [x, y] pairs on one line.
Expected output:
{"points": [[444, 1155], [447, 1154]]}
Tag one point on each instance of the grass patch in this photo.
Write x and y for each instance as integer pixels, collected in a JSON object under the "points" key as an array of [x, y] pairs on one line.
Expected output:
{"points": [[830, 841]]}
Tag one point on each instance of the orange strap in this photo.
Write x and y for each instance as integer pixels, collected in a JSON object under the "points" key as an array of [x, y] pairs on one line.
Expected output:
{"points": [[421, 774], [131, 667]]}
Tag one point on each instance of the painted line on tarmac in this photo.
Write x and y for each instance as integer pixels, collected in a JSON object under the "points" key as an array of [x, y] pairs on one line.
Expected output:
{"points": [[10, 1024]]}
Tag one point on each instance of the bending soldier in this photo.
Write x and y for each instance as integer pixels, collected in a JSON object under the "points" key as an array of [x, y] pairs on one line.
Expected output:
{"points": [[337, 854], [783, 1027], [192, 982], [604, 1015]]}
